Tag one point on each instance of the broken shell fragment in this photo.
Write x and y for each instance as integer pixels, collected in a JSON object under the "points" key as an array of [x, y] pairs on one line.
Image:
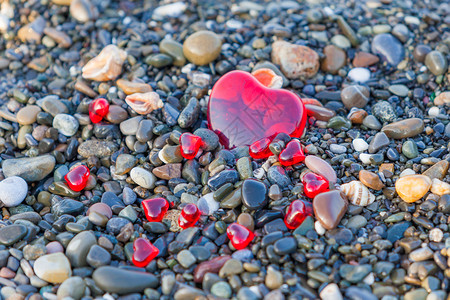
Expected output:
{"points": [[105, 66], [144, 103], [132, 87], [268, 78], [357, 193]]}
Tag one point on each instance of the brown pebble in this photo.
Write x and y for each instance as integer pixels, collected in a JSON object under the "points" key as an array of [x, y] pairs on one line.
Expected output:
{"points": [[357, 116], [202, 47], [329, 208], [364, 59], [247, 221], [168, 171], [371, 180], [28, 114], [116, 114], [334, 60]]}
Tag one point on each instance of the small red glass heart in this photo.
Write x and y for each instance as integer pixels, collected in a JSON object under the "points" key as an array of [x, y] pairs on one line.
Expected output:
{"points": [[144, 252], [190, 144], [260, 149], [98, 109], [155, 209], [297, 213], [242, 111], [314, 184], [292, 154], [239, 236], [189, 216], [77, 178]]}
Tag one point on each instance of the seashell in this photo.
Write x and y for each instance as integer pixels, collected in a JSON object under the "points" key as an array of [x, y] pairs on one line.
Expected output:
{"points": [[439, 187], [144, 103], [132, 87], [105, 66], [268, 78], [357, 193]]}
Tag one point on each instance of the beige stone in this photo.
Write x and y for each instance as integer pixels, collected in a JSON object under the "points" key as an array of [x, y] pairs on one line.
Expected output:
{"points": [[412, 187], [53, 268]]}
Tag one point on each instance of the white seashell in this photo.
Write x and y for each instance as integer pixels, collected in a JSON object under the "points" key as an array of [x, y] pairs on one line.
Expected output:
{"points": [[107, 65], [144, 103], [439, 187], [357, 193]]}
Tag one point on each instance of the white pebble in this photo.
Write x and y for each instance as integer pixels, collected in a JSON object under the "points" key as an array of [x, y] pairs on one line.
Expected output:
{"points": [[433, 111], [360, 145], [406, 172], [359, 74], [207, 205], [13, 191], [66, 124], [369, 279], [331, 292], [319, 228], [338, 149], [169, 10], [436, 235], [365, 158]]}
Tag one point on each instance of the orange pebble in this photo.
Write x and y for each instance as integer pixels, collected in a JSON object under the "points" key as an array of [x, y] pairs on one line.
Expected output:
{"points": [[268, 78]]}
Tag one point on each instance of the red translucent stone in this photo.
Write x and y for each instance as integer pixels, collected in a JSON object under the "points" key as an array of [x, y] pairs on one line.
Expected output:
{"points": [[242, 111], [98, 109], [260, 148], [314, 184], [144, 252], [155, 209], [77, 178], [292, 154], [189, 216], [239, 236], [297, 213], [190, 144]]}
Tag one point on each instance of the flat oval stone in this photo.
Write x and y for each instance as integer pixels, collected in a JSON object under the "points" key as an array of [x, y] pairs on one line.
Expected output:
{"points": [[54, 268], [211, 266], [175, 50], [28, 114], [29, 168], [412, 187], [438, 170], [13, 191], [404, 128], [334, 60], [143, 178], [122, 281], [321, 167], [202, 47], [254, 194], [355, 96], [371, 180], [436, 63], [10, 234], [319, 112], [389, 48], [79, 247], [66, 124], [329, 208]]}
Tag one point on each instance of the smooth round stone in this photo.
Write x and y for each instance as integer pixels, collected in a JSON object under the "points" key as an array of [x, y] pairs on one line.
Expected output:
{"points": [[186, 259], [28, 114], [129, 127], [221, 289], [202, 47], [274, 278], [389, 48], [360, 145], [12, 233], [331, 292], [409, 149], [379, 141], [401, 32], [54, 247], [321, 167], [72, 287], [124, 163], [66, 124], [384, 111], [404, 128], [436, 62], [372, 122], [420, 52], [355, 96], [122, 281], [341, 41], [143, 177], [209, 138], [254, 194], [319, 112], [53, 105], [246, 220], [356, 222], [159, 60], [399, 90], [412, 187], [54, 268], [13, 191], [29, 168], [359, 75], [79, 247], [116, 114], [354, 273], [295, 60], [335, 59], [371, 180], [329, 208], [67, 207], [144, 132], [175, 50]]}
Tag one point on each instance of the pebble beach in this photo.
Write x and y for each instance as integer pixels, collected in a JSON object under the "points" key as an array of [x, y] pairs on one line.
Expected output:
{"points": [[160, 150]]}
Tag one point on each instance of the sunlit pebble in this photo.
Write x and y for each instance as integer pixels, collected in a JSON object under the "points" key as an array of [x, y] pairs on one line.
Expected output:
{"points": [[365, 158], [259, 173], [433, 111], [436, 235], [112, 90], [126, 20], [406, 172], [187, 68], [369, 279], [423, 69], [328, 11], [359, 74], [360, 145], [234, 24], [74, 71], [319, 228]]}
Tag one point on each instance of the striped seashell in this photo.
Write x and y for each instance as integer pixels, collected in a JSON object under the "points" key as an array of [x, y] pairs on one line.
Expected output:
{"points": [[357, 193], [144, 103]]}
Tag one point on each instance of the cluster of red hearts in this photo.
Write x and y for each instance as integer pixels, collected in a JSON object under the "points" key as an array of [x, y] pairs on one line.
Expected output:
{"points": [[243, 110]]}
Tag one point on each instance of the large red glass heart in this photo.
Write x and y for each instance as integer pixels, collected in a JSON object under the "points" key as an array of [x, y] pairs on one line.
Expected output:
{"points": [[297, 213], [314, 184], [241, 110], [144, 252], [77, 178]]}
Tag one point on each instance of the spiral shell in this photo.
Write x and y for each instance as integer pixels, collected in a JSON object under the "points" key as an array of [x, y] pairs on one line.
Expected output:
{"points": [[107, 65], [357, 193]]}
